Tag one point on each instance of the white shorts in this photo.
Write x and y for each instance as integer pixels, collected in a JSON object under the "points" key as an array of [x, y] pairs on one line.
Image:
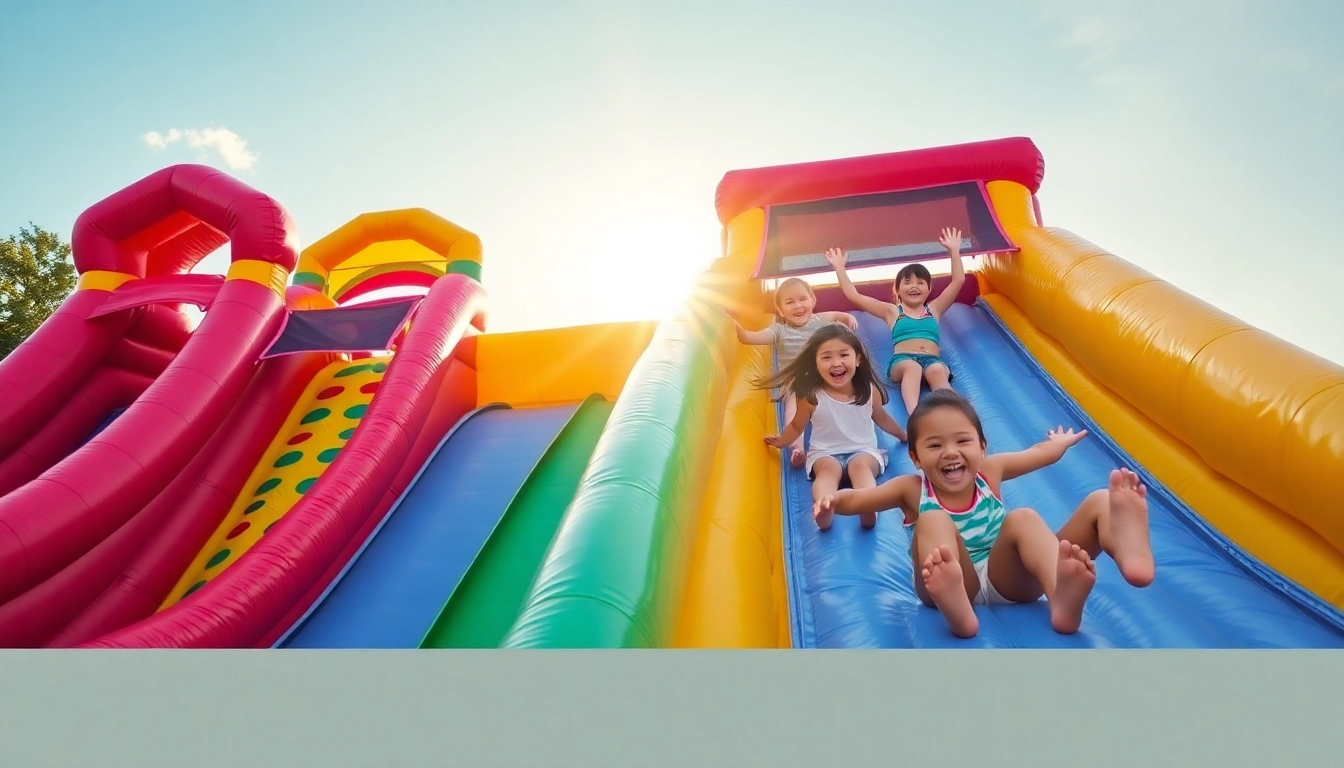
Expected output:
{"points": [[844, 459], [987, 595]]}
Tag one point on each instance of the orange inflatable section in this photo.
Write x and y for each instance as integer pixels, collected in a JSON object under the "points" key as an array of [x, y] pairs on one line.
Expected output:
{"points": [[558, 365], [1246, 428]]}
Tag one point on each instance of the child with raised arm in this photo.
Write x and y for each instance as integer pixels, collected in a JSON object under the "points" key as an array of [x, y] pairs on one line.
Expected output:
{"points": [[913, 319], [796, 303], [969, 548], [838, 391]]}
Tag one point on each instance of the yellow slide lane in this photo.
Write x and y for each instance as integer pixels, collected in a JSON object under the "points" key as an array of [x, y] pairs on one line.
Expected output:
{"points": [[320, 424]]}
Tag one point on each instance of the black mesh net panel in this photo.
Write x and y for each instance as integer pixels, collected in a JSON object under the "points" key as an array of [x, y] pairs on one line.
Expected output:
{"points": [[885, 228], [360, 328]]}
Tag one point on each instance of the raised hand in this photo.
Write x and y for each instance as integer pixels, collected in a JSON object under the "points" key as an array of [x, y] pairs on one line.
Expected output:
{"points": [[835, 257], [1066, 436], [951, 239]]}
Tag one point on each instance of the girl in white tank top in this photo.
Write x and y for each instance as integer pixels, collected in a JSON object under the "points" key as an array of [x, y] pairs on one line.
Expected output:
{"points": [[839, 393]]}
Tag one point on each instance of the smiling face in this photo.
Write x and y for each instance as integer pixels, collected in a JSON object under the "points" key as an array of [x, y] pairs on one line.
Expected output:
{"points": [[946, 445], [912, 285], [795, 301], [837, 361], [912, 290]]}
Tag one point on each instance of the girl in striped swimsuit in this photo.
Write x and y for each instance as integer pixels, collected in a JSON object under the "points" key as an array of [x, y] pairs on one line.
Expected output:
{"points": [[968, 548]]}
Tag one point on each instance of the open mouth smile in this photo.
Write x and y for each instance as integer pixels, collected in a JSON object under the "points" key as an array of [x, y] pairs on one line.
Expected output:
{"points": [[953, 472]]}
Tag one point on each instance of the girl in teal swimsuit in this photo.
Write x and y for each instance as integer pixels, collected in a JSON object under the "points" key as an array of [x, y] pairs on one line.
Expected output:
{"points": [[913, 319], [969, 548]]}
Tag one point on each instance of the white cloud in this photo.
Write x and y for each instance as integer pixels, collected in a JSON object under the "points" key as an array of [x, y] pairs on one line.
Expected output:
{"points": [[1093, 34], [230, 147]]}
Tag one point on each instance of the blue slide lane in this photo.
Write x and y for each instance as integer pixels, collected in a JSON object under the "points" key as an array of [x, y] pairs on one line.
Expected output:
{"points": [[392, 590], [850, 588]]}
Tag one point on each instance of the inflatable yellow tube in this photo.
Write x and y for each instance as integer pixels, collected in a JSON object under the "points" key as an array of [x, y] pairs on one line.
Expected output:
{"points": [[735, 596], [1244, 427]]}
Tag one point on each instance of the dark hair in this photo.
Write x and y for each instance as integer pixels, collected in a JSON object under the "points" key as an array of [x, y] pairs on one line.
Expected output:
{"points": [[804, 379], [941, 398], [917, 271]]}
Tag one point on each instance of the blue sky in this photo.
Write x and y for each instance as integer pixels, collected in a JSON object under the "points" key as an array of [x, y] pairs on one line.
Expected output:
{"points": [[583, 140]]}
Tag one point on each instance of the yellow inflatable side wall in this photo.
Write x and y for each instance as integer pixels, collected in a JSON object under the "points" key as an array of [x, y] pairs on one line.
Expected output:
{"points": [[560, 365], [1244, 427], [735, 595]]}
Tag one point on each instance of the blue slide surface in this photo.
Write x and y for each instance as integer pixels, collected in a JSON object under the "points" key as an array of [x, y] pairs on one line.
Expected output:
{"points": [[850, 588], [392, 590]]}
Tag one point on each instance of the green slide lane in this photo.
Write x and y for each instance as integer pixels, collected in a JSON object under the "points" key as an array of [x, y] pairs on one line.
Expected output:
{"points": [[487, 600], [615, 571]]}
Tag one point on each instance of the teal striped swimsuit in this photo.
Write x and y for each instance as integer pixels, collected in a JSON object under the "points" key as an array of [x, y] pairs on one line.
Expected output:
{"points": [[979, 525]]}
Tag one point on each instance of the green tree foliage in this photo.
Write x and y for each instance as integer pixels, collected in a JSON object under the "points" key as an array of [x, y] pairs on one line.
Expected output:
{"points": [[36, 274]]}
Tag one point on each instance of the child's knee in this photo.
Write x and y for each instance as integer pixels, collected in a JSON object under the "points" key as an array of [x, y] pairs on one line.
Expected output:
{"points": [[864, 464], [933, 521], [1023, 517], [827, 468]]}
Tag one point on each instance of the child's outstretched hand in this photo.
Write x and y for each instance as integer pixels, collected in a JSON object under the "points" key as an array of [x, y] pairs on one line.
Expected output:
{"points": [[835, 257], [951, 239], [1067, 437], [774, 442], [733, 316]]}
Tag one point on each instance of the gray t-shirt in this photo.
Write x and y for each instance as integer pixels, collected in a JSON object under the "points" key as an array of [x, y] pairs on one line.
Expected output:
{"points": [[789, 341]]}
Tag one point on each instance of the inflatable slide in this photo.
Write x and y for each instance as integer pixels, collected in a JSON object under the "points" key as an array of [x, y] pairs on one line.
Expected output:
{"points": [[335, 424], [313, 467], [1235, 433]]}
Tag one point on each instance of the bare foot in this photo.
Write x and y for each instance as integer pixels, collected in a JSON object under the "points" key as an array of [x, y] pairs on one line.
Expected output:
{"points": [[823, 517], [1075, 576], [797, 455], [1130, 546], [942, 579], [867, 519]]}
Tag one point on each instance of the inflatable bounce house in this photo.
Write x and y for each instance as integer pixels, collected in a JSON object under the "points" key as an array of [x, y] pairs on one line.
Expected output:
{"points": [[303, 469]]}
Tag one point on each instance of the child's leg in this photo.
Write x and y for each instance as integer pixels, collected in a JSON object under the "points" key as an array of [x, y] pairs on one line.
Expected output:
{"points": [[907, 374], [863, 470], [796, 452], [944, 576], [825, 481], [1115, 521], [939, 376], [1028, 560]]}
